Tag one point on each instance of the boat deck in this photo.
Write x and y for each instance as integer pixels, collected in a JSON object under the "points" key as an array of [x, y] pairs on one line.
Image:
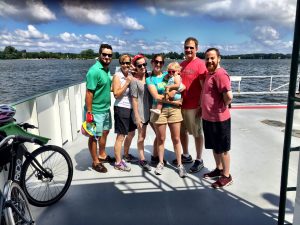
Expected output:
{"points": [[140, 197]]}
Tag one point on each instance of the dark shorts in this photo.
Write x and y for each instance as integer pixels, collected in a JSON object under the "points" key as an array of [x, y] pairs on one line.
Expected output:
{"points": [[217, 135], [123, 120]]}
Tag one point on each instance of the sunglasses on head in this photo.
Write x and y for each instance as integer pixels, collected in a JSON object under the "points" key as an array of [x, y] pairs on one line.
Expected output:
{"points": [[188, 47], [127, 63], [142, 65], [158, 62], [104, 55], [171, 71]]}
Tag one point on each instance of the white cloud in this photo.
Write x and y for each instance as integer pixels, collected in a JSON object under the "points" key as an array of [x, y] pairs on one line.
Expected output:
{"points": [[128, 23], [266, 35], [92, 37], [67, 37], [98, 14], [31, 33], [30, 11], [151, 9], [88, 14]]}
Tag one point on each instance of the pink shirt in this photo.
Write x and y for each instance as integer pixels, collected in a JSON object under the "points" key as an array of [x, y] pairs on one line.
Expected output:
{"points": [[213, 107], [191, 73]]}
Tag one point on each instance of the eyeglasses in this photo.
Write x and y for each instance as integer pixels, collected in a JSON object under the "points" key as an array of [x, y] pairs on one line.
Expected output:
{"points": [[188, 47], [142, 65], [127, 63], [104, 55], [158, 62], [171, 71]]}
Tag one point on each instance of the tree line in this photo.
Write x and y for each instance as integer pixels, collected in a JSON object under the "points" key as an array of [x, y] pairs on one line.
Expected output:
{"points": [[11, 52]]}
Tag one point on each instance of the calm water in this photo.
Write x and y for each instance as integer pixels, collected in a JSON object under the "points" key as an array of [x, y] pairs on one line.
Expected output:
{"points": [[21, 79]]}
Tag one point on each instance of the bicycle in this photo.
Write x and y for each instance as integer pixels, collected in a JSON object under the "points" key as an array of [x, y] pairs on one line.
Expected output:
{"points": [[46, 173], [13, 204]]}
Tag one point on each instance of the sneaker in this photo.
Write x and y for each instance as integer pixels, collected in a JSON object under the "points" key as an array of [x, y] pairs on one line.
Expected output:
{"points": [[122, 166], [144, 164], [99, 168], [107, 159], [213, 174], [159, 168], [181, 171], [155, 160], [222, 182], [130, 158], [156, 111], [198, 165], [184, 159]]}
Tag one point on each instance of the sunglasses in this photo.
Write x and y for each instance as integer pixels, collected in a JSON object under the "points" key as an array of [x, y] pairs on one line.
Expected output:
{"points": [[127, 63], [158, 62], [171, 71], [188, 47], [142, 65], [104, 55]]}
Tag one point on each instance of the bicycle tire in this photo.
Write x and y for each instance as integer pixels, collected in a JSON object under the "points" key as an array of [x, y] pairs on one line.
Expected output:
{"points": [[41, 191], [14, 193]]}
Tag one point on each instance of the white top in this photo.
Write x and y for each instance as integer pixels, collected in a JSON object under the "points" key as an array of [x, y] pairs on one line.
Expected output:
{"points": [[125, 100]]}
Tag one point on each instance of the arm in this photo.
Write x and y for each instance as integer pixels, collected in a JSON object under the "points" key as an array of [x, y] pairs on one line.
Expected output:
{"points": [[227, 97], [116, 86], [89, 100], [135, 107], [154, 93]]}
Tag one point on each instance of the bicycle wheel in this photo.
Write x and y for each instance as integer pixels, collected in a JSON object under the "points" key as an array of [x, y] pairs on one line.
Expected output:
{"points": [[15, 196], [42, 191]]}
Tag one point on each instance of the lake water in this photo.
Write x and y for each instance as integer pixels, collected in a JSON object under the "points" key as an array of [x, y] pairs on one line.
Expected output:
{"points": [[21, 79]]}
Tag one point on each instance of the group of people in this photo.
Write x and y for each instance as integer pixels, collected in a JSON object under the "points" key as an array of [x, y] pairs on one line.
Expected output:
{"points": [[183, 98]]}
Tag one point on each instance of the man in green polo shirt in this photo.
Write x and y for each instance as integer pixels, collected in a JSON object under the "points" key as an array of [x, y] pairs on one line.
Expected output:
{"points": [[97, 106]]}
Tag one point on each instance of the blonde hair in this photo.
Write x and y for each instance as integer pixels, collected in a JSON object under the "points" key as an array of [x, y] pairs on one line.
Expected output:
{"points": [[124, 56], [174, 65]]}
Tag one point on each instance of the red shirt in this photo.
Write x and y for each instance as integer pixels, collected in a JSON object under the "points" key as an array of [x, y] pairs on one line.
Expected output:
{"points": [[191, 73], [213, 107]]}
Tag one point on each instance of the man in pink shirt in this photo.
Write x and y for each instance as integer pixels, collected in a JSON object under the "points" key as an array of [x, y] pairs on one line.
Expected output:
{"points": [[192, 73], [216, 96]]}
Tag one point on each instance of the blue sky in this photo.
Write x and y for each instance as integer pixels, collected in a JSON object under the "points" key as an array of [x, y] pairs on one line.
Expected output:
{"points": [[148, 26]]}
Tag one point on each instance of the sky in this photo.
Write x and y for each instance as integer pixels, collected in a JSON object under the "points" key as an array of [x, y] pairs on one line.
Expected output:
{"points": [[148, 26]]}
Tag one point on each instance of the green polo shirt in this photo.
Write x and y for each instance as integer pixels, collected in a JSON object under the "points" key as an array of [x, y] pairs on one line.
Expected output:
{"points": [[98, 80]]}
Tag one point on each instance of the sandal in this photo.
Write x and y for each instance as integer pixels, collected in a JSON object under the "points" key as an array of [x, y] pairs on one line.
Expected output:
{"points": [[99, 168]]}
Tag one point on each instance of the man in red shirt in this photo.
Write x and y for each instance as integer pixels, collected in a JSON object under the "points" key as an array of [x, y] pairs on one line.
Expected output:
{"points": [[192, 73], [216, 96]]}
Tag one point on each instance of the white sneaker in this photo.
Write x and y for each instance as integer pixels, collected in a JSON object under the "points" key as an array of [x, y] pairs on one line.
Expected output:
{"points": [[156, 111], [159, 168], [181, 171]]}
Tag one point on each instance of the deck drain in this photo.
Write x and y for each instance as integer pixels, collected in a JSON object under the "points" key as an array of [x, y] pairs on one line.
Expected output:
{"points": [[273, 123]]}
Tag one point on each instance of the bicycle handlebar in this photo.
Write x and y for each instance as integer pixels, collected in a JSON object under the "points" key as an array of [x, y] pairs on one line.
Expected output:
{"points": [[19, 139]]}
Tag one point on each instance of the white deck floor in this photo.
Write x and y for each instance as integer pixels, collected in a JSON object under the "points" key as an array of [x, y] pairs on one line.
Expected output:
{"points": [[144, 198]]}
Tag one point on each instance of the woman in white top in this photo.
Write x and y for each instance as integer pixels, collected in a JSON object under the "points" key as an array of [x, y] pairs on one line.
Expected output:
{"points": [[123, 114]]}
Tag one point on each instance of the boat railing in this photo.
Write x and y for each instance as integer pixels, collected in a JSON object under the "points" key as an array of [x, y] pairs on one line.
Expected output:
{"points": [[257, 85]]}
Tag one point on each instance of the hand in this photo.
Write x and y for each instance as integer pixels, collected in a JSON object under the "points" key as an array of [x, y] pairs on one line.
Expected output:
{"points": [[139, 123], [89, 117], [129, 78]]}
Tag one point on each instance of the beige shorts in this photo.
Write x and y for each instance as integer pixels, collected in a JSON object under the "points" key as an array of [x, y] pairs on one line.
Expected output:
{"points": [[168, 115], [191, 122]]}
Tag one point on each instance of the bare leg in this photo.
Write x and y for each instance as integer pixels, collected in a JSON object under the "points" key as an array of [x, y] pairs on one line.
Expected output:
{"points": [[225, 158], [161, 137], [175, 135], [199, 146], [102, 144], [128, 141], [184, 141], [155, 152], [118, 147], [218, 161], [93, 149], [140, 141]]}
